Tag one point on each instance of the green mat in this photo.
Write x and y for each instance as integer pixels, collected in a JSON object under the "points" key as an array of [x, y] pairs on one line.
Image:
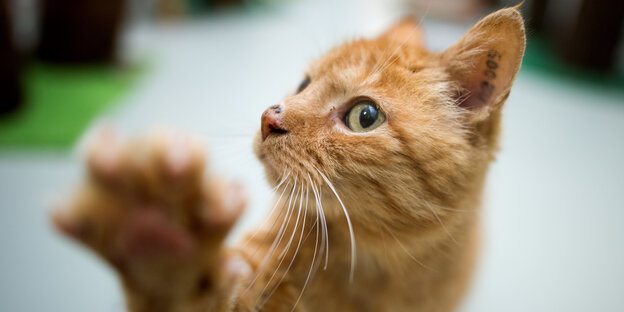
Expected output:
{"points": [[60, 102]]}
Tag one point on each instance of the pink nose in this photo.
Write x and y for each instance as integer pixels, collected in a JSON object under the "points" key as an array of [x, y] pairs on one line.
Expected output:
{"points": [[271, 119]]}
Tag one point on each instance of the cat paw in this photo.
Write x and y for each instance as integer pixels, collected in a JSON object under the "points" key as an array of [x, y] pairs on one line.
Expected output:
{"points": [[148, 208]]}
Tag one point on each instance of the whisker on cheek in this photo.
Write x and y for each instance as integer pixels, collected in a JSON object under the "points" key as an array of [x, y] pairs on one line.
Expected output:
{"points": [[435, 214], [271, 250], [271, 212], [346, 213], [316, 246], [324, 232], [282, 255], [405, 249], [285, 249]]}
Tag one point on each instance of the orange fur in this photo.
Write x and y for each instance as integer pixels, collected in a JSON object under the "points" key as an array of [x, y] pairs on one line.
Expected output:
{"points": [[411, 187]]}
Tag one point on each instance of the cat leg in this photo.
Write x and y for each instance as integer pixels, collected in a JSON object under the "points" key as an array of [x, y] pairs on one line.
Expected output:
{"points": [[148, 209]]}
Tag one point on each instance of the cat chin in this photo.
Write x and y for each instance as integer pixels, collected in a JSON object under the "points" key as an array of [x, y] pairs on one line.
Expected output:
{"points": [[271, 173], [257, 146]]}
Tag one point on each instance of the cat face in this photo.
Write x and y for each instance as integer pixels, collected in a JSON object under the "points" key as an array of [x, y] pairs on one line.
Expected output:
{"points": [[387, 122]]}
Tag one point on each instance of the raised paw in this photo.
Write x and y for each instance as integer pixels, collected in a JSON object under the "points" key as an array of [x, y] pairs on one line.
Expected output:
{"points": [[149, 210]]}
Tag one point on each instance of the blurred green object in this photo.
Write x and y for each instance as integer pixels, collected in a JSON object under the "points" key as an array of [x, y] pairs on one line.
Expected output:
{"points": [[540, 56], [197, 7], [60, 103]]}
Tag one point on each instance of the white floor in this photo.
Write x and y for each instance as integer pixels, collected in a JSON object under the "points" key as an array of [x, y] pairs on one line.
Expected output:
{"points": [[553, 236]]}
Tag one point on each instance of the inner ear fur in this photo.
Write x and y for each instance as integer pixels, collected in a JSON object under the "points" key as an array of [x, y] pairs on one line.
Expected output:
{"points": [[484, 61]]}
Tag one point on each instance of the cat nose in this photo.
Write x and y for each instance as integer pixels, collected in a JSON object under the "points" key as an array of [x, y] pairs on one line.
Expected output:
{"points": [[271, 120]]}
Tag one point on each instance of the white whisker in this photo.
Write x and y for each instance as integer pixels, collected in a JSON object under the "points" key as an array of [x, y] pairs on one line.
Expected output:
{"points": [[404, 41], [346, 213], [259, 228], [406, 251], [441, 223], [292, 260], [286, 248], [282, 231], [380, 68], [316, 225], [275, 240], [296, 221], [281, 182], [324, 231], [454, 209]]}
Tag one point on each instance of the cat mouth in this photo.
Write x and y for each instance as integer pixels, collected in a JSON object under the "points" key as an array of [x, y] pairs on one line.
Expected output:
{"points": [[272, 130], [278, 131]]}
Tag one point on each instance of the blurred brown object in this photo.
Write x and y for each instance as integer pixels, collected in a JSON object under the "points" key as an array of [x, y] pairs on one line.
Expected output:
{"points": [[11, 92], [179, 9], [537, 13], [170, 9], [586, 33], [84, 31], [593, 39], [222, 3]]}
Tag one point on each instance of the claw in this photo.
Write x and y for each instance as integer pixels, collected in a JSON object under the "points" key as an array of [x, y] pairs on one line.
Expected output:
{"points": [[65, 223], [234, 201], [224, 214], [178, 155], [236, 268], [104, 154], [181, 155]]}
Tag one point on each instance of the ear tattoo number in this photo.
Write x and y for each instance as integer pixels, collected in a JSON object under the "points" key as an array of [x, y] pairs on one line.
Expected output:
{"points": [[487, 88], [486, 91], [489, 74], [493, 54]]}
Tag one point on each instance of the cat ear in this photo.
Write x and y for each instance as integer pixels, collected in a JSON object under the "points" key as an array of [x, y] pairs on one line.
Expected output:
{"points": [[485, 61], [406, 31]]}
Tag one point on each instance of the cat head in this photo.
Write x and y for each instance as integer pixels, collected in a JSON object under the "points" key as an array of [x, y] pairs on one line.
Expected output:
{"points": [[396, 130]]}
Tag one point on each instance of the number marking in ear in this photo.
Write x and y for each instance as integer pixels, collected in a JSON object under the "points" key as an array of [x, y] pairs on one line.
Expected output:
{"points": [[487, 88], [486, 91]]}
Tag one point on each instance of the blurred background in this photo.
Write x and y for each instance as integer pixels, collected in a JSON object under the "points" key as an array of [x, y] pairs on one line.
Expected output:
{"points": [[553, 240]]}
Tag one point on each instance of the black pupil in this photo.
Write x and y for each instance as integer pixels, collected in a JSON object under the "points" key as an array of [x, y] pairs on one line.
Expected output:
{"points": [[368, 116], [303, 84]]}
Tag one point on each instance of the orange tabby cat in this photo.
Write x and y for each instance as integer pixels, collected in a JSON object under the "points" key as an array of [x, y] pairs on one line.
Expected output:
{"points": [[378, 161]]}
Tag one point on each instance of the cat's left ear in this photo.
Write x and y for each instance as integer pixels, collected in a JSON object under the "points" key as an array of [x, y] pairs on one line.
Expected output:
{"points": [[485, 61], [406, 31]]}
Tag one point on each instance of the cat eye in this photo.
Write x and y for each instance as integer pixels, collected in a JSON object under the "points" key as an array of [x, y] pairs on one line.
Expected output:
{"points": [[364, 116], [304, 84]]}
